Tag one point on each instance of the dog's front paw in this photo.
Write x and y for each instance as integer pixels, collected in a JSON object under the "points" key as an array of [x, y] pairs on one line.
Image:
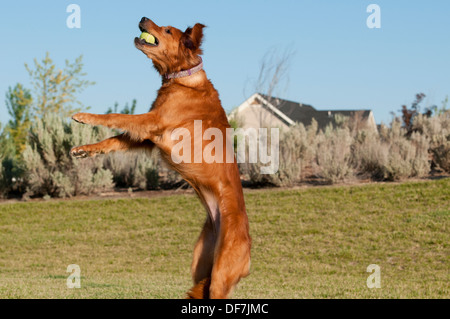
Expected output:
{"points": [[84, 118], [79, 152]]}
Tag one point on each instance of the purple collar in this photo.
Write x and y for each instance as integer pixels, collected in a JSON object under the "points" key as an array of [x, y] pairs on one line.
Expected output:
{"points": [[184, 73]]}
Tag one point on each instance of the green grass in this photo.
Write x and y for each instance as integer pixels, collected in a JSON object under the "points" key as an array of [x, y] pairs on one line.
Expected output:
{"points": [[307, 243]]}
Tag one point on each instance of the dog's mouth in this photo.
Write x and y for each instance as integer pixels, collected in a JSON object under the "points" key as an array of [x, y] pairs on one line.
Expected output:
{"points": [[146, 38]]}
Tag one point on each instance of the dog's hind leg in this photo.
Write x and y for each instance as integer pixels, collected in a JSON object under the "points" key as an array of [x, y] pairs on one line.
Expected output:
{"points": [[232, 253], [203, 259], [202, 262], [120, 142]]}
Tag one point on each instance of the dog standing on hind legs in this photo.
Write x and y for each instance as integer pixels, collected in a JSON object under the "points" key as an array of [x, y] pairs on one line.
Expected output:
{"points": [[222, 252]]}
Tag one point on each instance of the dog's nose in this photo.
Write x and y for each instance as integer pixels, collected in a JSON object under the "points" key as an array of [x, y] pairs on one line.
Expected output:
{"points": [[144, 19]]}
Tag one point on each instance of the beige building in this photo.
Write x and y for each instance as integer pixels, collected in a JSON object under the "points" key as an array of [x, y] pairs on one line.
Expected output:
{"points": [[264, 111]]}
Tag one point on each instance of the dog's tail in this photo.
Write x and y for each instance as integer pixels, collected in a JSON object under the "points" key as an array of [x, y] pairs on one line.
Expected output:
{"points": [[200, 290]]}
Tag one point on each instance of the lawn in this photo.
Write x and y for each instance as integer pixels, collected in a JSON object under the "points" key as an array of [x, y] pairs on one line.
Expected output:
{"points": [[307, 243]]}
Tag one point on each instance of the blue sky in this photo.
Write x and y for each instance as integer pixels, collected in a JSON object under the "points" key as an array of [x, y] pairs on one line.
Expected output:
{"points": [[339, 63]]}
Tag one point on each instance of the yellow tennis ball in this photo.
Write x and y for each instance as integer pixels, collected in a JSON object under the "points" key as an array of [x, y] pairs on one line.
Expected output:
{"points": [[147, 37]]}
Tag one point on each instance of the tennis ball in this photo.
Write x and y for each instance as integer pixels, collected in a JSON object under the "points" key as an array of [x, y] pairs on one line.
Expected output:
{"points": [[147, 37]]}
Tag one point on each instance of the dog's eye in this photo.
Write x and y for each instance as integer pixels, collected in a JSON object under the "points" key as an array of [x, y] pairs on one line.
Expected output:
{"points": [[168, 31]]}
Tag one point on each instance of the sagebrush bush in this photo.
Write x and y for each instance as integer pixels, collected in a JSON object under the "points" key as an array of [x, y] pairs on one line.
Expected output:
{"points": [[370, 155], [391, 156], [333, 154], [50, 170], [133, 169], [343, 153], [296, 150], [437, 130], [292, 153], [252, 171], [421, 163], [441, 156], [407, 157]]}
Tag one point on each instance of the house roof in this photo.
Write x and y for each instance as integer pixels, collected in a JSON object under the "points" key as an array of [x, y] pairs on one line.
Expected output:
{"points": [[304, 113]]}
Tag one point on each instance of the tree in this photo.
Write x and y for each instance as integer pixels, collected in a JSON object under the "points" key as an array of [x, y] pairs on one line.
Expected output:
{"points": [[9, 167], [18, 103], [273, 71], [408, 114], [55, 90], [126, 109], [6, 147], [438, 111]]}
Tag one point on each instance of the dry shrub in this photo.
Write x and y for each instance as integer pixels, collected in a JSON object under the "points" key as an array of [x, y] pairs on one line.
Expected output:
{"points": [[407, 157], [370, 155], [133, 169], [51, 171], [337, 154], [340, 154], [252, 171], [333, 155], [296, 150], [391, 155], [437, 130]]}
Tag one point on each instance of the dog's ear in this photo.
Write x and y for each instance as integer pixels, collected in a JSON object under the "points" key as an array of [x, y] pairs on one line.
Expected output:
{"points": [[192, 38]]}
